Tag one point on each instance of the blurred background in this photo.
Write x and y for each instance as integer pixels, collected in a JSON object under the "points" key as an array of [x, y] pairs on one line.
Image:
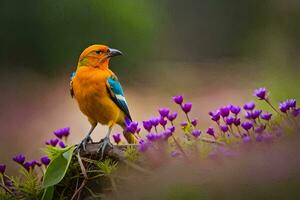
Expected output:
{"points": [[212, 52]]}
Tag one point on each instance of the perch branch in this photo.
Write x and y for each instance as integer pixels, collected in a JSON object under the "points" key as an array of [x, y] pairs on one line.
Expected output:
{"points": [[115, 152]]}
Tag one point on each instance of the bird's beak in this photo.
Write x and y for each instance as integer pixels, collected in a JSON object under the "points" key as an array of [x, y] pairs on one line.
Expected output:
{"points": [[114, 52]]}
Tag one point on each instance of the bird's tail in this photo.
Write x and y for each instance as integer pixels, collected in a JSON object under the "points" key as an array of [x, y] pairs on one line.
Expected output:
{"points": [[131, 139]]}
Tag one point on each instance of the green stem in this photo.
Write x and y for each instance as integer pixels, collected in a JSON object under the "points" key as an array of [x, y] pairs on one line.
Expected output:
{"points": [[268, 102], [188, 118], [179, 147], [221, 132], [239, 131]]}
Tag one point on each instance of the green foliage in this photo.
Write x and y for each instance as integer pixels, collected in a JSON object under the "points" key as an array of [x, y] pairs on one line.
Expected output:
{"points": [[5, 196], [53, 152], [131, 153], [188, 128], [31, 185], [107, 167], [58, 166]]}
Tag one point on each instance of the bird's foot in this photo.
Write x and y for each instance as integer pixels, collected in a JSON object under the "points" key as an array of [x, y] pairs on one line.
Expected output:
{"points": [[104, 144], [83, 143]]}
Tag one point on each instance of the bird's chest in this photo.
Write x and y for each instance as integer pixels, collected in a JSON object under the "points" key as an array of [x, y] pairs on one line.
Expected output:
{"points": [[92, 96], [90, 87]]}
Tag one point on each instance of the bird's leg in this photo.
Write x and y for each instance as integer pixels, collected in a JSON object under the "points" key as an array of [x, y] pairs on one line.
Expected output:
{"points": [[104, 143], [86, 139]]}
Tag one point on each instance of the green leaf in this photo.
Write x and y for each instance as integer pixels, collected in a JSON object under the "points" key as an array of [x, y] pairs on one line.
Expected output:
{"points": [[48, 193], [58, 167]]}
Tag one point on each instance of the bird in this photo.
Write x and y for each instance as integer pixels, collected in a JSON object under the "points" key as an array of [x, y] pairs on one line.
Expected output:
{"points": [[99, 94]]}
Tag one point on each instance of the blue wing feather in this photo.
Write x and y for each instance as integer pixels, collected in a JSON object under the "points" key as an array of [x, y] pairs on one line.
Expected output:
{"points": [[117, 95], [72, 75], [71, 84]]}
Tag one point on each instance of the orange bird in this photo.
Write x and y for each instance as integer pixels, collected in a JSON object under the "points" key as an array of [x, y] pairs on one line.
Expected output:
{"points": [[99, 94]]}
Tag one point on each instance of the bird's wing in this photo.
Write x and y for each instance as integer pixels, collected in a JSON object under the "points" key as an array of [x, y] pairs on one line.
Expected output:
{"points": [[117, 95], [71, 84]]}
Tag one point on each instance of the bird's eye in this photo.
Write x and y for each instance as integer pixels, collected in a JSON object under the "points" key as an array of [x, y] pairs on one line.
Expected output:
{"points": [[98, 52]]}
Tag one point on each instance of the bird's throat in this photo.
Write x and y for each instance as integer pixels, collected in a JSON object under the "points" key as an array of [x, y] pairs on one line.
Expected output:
{"points": [[94, 62]]}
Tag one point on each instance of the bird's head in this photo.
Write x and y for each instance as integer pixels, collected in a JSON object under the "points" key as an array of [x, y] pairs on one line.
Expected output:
{"points": [[97, 56]]}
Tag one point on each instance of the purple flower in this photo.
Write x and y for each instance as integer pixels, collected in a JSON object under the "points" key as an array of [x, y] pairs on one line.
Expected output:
{"points": [[237, 121], [175, 154], [215, 116], [45, 160], [178, 99], [117, 138], [291, 103], [163, 122], [62, 144], [266, 116], [143, 146], [167, 133], [224, 128], [19, 159], [296, 112], [248, 115], [132, 127], [138, 130], [211, 131], [172, 129], [27, 165], [151, 136], [256, 114], [259, 138], [194, 122], [164, 112], [52, 142], [283, 106], [147, 125], [2, 168], [230, 120], [30, 165], [247, 125], [246, 139], [235, 109], [196, 133], [183, 124], [159, 136], [63, 132], [261, 93], [34, 163], [154, 121], [249, 106], [260, 129], [187, 107], [172, 116], [224, 111]]}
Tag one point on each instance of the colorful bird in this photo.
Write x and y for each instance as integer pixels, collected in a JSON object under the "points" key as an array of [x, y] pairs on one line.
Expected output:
{"points": [[99, 94]]}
